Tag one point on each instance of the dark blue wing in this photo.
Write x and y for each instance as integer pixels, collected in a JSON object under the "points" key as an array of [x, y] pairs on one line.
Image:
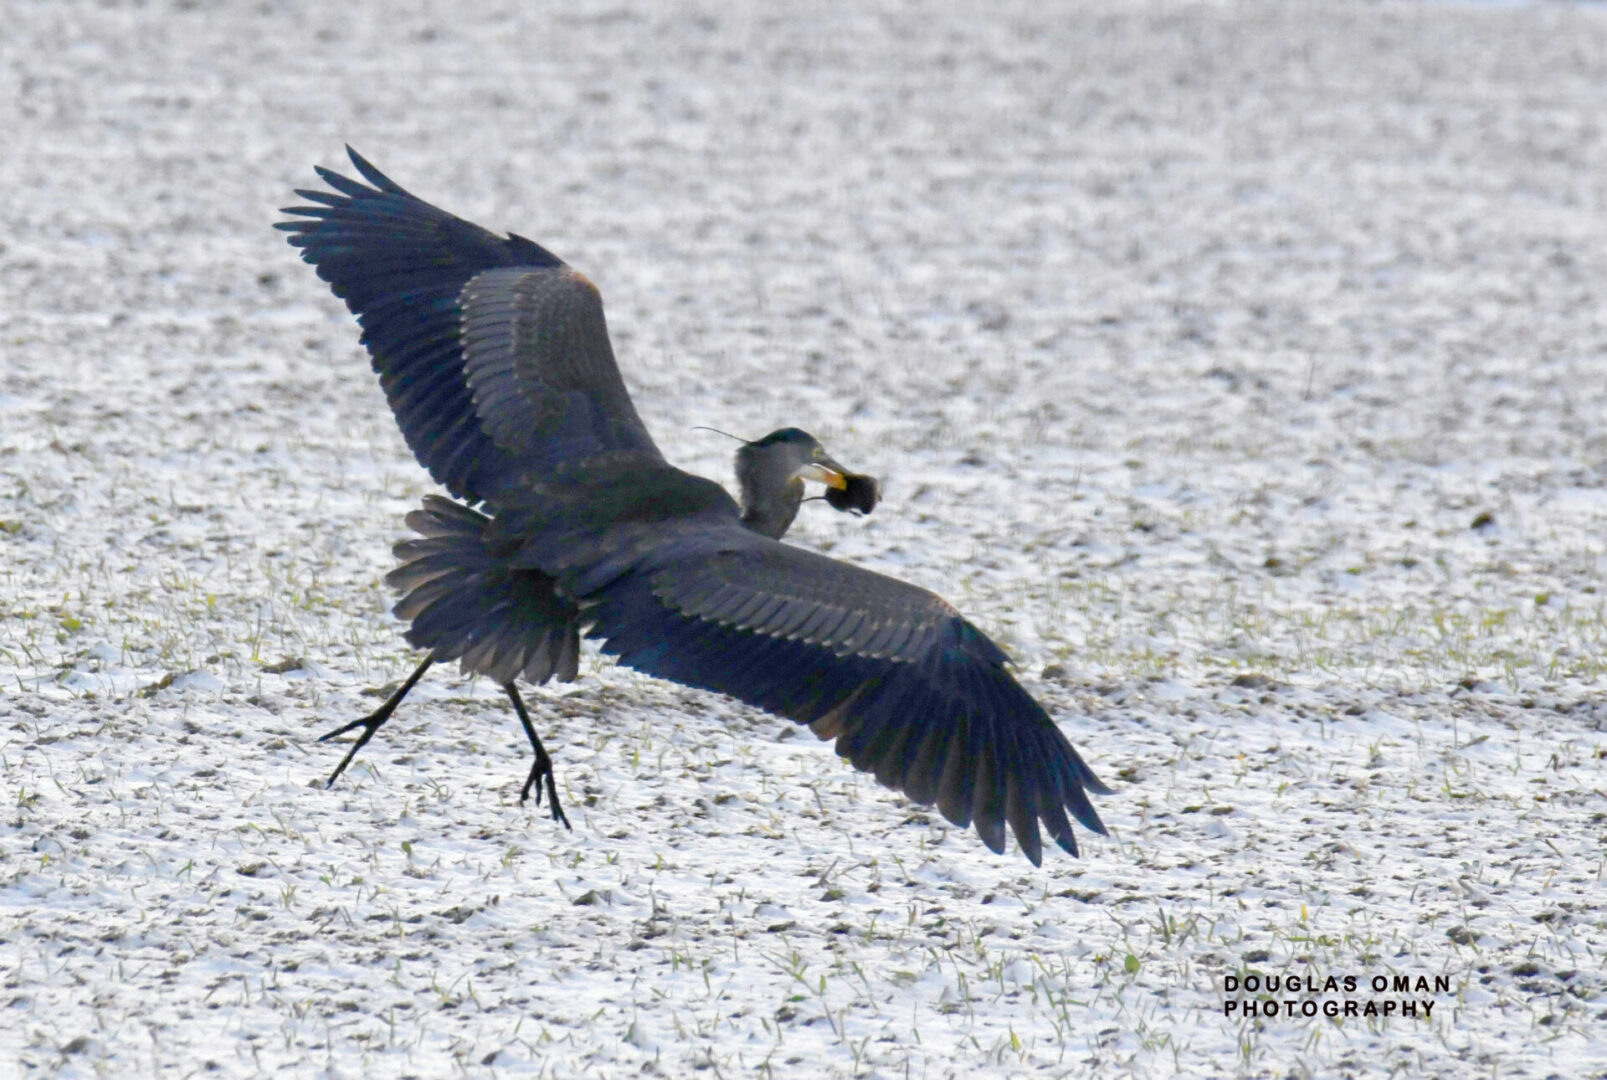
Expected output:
{"points": [[910, 691], [403, 268]]}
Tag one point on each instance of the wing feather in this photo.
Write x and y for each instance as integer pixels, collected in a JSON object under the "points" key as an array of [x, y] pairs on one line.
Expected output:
{"points": [[1021, 810], [848, 628], [988, 807], [957, 785]]}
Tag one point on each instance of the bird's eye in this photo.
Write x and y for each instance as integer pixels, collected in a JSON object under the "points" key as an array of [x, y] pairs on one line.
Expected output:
{"points": [[818, 452]]}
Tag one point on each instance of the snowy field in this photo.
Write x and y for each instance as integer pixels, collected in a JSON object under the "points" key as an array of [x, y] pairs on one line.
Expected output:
{"points": [[1241, 368]]}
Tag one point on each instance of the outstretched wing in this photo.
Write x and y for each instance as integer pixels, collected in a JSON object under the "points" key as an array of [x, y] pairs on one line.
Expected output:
{"points": [[493, 353], [909, 689]]}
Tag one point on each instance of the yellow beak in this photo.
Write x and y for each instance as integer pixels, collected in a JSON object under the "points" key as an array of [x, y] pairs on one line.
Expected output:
{"points": [[829, 474]]}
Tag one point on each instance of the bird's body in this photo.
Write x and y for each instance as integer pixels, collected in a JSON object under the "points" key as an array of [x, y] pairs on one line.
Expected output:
{"points": [[495, 358]]}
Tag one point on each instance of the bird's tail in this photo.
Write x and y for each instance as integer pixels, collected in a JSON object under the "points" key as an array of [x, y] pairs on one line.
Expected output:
{"points": [[467, 604]]}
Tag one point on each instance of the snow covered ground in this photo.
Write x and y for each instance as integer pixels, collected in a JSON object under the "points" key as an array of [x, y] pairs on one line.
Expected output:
{"points": [[1242, 368]]}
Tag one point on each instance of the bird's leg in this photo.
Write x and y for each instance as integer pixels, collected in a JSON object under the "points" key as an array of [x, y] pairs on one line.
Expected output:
{"points": [[373, 721], [541, 767]]}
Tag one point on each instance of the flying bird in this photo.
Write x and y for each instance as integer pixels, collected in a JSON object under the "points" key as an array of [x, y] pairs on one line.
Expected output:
{"points": [[566, 519]]}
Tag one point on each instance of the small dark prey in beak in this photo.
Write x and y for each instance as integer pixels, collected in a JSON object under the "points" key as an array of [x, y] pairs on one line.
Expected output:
{"points": [[859, 494]]}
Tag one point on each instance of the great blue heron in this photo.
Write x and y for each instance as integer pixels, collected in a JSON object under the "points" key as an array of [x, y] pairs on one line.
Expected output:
{"points": [[495, 358]]}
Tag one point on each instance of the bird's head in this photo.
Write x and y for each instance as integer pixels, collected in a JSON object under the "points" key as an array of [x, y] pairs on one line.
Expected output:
{"points": [[772, 471]]}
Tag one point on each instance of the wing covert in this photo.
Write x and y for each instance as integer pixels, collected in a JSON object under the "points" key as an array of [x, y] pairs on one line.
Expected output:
{"points": [[775, 590], [541, 370]]}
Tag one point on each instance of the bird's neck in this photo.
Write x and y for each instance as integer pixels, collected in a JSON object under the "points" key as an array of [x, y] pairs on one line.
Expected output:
{"points": [[770, 514]]}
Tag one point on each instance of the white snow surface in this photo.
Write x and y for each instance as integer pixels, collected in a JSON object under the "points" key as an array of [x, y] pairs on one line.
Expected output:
{"points": [[1241, 368]]}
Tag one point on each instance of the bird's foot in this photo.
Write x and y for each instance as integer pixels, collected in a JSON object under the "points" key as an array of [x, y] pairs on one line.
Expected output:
{"points": [[370, 724], [542, 767], [373, 721]]}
